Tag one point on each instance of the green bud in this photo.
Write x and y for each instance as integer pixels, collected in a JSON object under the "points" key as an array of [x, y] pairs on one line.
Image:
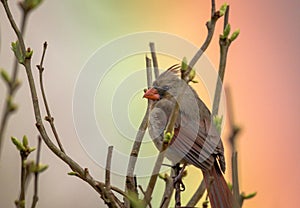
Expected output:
{"points": [[229, 186], [5, 76], [184, 64], [234, 35], [192, 75], [28, 53], [218, 123], [168, 136], [226, 31], [18, 144], [28, 5], [223, 9], [72, 173], [15, 46], [25, 141], [249, 196], [11, 105]]}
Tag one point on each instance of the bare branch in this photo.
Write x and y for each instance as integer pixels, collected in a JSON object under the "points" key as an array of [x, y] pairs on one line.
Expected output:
{"points": [[49, 117], [130, 182]]}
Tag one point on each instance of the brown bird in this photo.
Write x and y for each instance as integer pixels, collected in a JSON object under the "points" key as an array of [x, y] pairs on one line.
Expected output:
{"points": [[196, 140]]}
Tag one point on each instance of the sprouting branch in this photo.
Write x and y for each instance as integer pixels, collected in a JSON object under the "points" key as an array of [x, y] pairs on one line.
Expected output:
{"points": [[210, 25], [13, 83], [49, 117], [78, 170], [224, 46]]}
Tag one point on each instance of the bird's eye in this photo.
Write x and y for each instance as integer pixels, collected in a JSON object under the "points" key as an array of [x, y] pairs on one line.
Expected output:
{"points": [[165, 88]]}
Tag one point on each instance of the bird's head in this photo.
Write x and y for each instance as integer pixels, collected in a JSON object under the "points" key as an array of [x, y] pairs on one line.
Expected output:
{"points": [[166, 85]]}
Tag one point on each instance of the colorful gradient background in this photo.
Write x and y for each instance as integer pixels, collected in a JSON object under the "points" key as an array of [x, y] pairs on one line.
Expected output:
{"points": [[262, 73]]}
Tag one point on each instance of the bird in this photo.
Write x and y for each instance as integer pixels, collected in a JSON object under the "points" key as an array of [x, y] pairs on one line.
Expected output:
{"points": [[195, 140]]}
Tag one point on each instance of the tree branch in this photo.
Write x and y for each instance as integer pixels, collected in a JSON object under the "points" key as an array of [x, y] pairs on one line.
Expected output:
{"points": [[49, 117], [36, 174], [78, 170], [224, 43], [154, 59], [197, 195], [130, 182]]}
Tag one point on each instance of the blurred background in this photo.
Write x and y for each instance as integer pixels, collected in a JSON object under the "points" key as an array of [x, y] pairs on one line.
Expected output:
{"points": [[262, 73]]}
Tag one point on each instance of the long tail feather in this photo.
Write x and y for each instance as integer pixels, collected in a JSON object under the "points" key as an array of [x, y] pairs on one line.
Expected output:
{"points": [[219, 194]]}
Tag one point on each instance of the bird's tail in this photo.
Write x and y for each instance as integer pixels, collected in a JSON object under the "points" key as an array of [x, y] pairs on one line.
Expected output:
{"points": [[219, 193]]}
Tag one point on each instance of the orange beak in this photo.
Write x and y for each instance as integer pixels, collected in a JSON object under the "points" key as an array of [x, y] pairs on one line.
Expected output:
{"points": [[152, 94]]}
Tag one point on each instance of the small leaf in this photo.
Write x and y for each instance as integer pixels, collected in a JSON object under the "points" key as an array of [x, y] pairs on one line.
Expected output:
{"points": [[41, 168], [18, 144], [15, 46], [5, 76], [223, 9], [234, 35], [31, 149], [184, 64], [249, 196]]}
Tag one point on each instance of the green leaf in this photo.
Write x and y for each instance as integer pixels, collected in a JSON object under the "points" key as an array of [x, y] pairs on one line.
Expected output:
{"points": [[5, 76], [234, 35], [41, 168], [18, 144], [184, 64], [73, 174], [15, 46], [223, 9], [249, 196]]}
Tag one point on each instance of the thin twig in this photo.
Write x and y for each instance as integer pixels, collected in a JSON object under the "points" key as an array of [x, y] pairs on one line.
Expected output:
{"points": [[13, 85], [154, 59], [21, 201], [82, 173], [36, 174], [110, 198], [130, 182], [232, 139], [49, 117]]}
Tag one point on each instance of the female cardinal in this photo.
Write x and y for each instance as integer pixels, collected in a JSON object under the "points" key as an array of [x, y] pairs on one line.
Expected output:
{"points": [[196, 140]]}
